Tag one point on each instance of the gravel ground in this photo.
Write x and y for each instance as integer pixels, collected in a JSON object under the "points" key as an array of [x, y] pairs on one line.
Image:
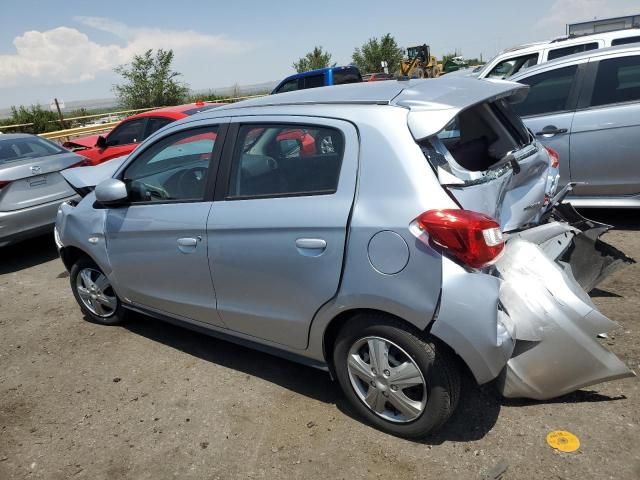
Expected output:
{"points": [[155, 401]]}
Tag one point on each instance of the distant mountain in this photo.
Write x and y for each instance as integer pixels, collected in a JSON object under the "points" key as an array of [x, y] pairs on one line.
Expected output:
{"points": [[102, 103]]}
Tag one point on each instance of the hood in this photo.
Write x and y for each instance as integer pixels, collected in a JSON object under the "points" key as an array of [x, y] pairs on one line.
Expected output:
{"points": [[83, 180], [81, 143]]}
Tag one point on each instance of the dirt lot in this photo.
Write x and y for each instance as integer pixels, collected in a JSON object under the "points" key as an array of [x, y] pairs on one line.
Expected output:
{"points": [[151, 400]]}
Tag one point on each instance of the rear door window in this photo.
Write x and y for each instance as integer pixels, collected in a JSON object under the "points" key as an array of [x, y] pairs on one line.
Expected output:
{"points": [[563, 52], [511, 66], [347, 75], [625, 41], [617, 81], [313, 81], [548, 93], [285, 160]]}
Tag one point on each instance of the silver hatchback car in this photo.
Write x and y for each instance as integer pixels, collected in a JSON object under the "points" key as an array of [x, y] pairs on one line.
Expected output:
{"points": [[354, 229]]}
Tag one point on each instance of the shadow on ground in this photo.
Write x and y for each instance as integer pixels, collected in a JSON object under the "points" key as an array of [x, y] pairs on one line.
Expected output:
{"points": [[26, 254], [477, 411]]}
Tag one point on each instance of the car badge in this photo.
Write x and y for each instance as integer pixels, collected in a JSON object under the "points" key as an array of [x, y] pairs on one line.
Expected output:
{"points": [[35, 170]]}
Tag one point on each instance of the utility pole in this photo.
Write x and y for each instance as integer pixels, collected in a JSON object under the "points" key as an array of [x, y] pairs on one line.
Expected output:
{"points": [[59, 113]]}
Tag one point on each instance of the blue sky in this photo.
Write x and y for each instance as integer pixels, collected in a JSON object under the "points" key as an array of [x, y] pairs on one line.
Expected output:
{"points": [[68, 48]]}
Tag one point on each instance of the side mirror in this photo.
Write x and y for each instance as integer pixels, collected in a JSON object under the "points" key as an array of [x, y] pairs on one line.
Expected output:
{"points": [[101, 142], [111, 192]]}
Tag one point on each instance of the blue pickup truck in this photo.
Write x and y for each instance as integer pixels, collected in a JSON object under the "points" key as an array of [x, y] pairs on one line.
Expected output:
{"points": [[319, 78]]}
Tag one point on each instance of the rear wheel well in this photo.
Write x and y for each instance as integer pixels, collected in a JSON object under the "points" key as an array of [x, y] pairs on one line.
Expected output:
{"points": [[70, 255], [334, 327]]}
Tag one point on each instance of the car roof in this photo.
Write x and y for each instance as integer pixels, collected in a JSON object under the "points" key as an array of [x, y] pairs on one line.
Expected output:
{"points": [[176, 112], [425, 94], [576, 57], [12, 136], [567, 41]]}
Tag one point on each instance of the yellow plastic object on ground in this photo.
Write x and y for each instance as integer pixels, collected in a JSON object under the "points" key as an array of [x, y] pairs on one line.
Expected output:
{"points": [[563, 441]]}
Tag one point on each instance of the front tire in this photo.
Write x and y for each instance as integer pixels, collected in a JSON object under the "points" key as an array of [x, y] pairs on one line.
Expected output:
{"points": [[95, 294], [398, 379]]}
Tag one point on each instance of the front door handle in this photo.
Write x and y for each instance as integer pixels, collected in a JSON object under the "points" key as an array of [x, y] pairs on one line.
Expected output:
{"points": [[550, 131], [187, 242], [311, 243]]}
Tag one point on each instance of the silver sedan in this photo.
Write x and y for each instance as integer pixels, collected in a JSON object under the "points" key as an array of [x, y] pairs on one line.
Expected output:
{"points": [[31, 187]]}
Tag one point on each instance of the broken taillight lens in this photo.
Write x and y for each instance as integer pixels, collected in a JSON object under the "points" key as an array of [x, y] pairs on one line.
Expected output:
{"points": [[473, 238], [554, 155]]}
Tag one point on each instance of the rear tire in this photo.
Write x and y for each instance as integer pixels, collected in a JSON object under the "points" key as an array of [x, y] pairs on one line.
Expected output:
{"points": [[94, 293], [418, 386]]}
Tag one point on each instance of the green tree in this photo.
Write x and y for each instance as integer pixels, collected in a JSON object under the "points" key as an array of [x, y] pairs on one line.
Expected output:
{"points": [[313, 60], [368, 57], [43, 120], [150, 81]]}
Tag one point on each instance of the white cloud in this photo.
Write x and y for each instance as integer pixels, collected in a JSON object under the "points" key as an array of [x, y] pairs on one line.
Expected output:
{"points": [[563, 12], [66, 55]]}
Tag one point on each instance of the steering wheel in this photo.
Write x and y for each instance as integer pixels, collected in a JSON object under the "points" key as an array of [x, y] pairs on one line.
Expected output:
{"points": [[146, 192], [191, 182]]}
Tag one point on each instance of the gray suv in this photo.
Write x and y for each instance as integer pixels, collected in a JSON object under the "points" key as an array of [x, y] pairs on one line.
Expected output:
{"points": [[587, 108], [393, 234]]}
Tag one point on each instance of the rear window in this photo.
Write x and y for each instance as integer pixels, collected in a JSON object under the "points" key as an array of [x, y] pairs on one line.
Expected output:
{"points": [[625, 41], [563, 52], [479, 137], [347, 75], [14, 149]]}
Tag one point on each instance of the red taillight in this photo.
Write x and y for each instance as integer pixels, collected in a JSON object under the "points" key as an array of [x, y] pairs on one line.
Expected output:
{"points": [[473, 238], [4, 183], [199, 103], [555, 157]]}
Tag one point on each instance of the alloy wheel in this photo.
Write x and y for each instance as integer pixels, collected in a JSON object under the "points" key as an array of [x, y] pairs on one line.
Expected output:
{"points": [[96, 293], [387, 380]]}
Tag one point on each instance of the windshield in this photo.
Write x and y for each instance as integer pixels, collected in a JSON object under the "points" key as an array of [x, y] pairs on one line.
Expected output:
{"points": [[14, 149]]}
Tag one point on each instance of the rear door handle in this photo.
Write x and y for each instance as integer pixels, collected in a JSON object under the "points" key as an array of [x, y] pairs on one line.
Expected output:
{"points": [[551, 130]]}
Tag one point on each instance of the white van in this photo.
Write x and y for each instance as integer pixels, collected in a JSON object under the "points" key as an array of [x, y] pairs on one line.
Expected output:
{"points": [[512, 60]]}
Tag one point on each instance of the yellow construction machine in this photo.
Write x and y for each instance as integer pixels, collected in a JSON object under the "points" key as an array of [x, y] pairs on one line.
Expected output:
{"points": [[420, 63]]}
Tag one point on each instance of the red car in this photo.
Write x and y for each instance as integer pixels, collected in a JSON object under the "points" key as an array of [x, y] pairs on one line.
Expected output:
{"points": [[130, 132]]}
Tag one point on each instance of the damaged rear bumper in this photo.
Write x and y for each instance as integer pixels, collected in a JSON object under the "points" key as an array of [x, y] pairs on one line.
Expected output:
{"points": [[545, 325]]}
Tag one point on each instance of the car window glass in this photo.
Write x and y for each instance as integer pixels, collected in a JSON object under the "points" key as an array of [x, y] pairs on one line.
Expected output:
{"points": [[617, 80], [563, 52], [511, 66], [314, 81], [281, 160], [625, 41], [156, 123], [26, 147], [289, 86], [347, 75], [175, 168], [131, 131], [549, 92]]}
